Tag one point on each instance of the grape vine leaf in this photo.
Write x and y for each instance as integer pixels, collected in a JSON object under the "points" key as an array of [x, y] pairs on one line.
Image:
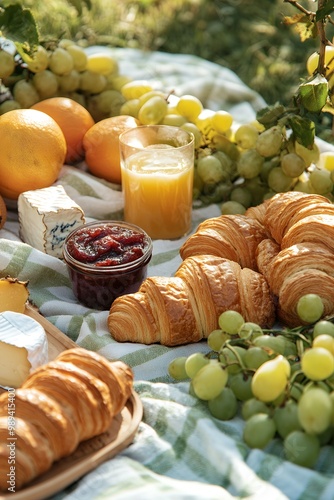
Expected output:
{"points": [[313, 94], [324, 11], [18, 25], [304, 26], [303, 130]]}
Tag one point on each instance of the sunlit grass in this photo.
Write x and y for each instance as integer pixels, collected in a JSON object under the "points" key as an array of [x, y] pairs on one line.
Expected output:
{"points": [[246, 36]]}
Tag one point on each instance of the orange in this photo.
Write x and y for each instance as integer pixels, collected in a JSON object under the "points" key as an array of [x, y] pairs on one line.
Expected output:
{"points": [[101, 145], [73, 119], [32, 151], [3, 212]]}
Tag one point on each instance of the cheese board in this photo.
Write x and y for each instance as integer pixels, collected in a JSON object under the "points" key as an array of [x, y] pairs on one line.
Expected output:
{"points": [[89, 453]]}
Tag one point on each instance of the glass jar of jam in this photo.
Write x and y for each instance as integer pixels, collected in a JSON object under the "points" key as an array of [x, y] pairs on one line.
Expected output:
{"points": [[106, 259]]}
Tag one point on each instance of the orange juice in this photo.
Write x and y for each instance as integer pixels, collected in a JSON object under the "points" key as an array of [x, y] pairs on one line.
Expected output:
{"points": [[158, 185]]}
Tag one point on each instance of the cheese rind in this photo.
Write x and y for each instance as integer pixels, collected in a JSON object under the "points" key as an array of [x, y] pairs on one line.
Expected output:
{"points": [[23, 347], [46, 217]]}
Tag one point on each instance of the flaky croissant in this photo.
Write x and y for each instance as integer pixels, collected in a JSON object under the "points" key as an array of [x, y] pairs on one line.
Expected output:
{"points": [[285, 209], [295, 271], [68, 400], [233, 237], [185, 308]]}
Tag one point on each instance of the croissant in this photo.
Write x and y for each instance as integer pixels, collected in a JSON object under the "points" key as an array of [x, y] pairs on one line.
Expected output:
{"points": [[300, 260], [68, 400], [283, 209], [233, 237], [185, 308]]}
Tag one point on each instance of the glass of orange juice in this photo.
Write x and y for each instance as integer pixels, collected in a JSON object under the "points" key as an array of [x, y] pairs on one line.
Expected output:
{"points": [[157, 165]]}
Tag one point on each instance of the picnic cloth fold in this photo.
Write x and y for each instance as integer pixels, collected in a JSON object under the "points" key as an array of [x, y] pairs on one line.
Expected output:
{"points": [[179, 451]]}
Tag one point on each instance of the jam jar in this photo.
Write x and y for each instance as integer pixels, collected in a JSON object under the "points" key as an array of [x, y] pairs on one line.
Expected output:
{"points": [[106, 259]]}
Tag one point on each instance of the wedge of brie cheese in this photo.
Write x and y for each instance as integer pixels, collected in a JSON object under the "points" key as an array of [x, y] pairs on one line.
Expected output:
{"points": [[23, 347], [46, 217]]}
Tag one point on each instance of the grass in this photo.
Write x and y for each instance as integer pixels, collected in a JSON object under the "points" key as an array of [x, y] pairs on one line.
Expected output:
{"points": [[246, 36]]}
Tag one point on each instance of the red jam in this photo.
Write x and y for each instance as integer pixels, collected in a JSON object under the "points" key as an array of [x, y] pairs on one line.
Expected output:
{"points": [[105, 260]]}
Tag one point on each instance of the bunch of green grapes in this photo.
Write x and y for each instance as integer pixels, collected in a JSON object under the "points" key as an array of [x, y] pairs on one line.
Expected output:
{"points": [[280, 381], [62, 69], [237, 166]]}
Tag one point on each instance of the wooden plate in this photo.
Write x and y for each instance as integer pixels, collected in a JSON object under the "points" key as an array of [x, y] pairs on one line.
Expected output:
{"points": [[90, 453]]}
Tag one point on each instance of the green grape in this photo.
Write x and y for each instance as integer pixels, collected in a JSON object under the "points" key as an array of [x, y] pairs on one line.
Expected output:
{"points": [[93, 83], [79, 57], [259, 430], [191, 127], [315, 410], [286, 418], [271, 342], [325, 437], [46, 83], [102, 64], [216, 339], [321, 181], [242, 196], [210, 380], [130, 107], [325, 341], [221, 121], [7, 64], [176, 368], [232, 358], [194, 363], [39, 60], [313, 60], [309, 155], [25, 94], [249, 164], [269, 142], [210, 169], [190, 107], [222, 143], [203, 121], [65, 42], [174, 120], [317, 363], [293, 165], [252, 406], [232, 208], [69, 82], [323, 327], [153, 111], [250, 330], [106, 104], [310, 308], [8, 105], [230, 322], [257, 188], [331, 395], [246, 136], [270, 379], [224, 406], [152, 93], [135, 89], [117, 82], [254, 357], [303, 186], [301, 448], [241, 385], [278, 181], [60, 61]]}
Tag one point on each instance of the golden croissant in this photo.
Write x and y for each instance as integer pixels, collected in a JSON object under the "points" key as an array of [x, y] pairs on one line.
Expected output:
{"points": [[68, 400], [185, 308], [233, 237], [299, 258]]}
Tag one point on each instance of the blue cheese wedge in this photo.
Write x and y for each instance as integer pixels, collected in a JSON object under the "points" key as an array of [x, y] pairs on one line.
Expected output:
{"points": [[46, 217], [23, 347]]}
